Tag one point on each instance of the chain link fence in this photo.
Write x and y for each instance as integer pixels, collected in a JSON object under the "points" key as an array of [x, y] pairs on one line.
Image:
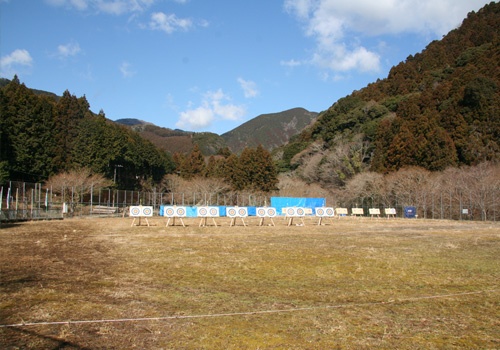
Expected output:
{"points": [[27, 201]]}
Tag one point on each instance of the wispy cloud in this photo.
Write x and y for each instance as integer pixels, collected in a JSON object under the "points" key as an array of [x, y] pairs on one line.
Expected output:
{"points": [[126, 69], [169, 23], [249, 88], [336, 26], [291, 63], [114, 7], [15, 62], [70, 49], [215, 105]]}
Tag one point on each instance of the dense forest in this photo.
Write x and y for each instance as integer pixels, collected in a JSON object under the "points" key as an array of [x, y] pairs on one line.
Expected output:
{"points": [[41, 136], [253, 170], [438, 109]]}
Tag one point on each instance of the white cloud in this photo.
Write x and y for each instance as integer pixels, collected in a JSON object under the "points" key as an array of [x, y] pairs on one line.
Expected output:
{"points": [[249, 88], [214, 107], [126, 69], [169, 23], [15, 62], [331, 22], [70, 49], [196, 119], [291, 63]]}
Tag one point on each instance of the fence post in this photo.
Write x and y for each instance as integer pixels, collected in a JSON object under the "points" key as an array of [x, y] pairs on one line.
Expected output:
{"points": [[460, 196], [494, 207]]}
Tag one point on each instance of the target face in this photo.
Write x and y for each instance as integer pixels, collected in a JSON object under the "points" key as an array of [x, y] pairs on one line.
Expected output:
{"points": [[261, 212], [271, 212], [214, 212], [147, 211], [243, 212], [135, 211], [180, 212], [329, 212], [203, 211], [341, 211], [168, 212], [300, 212], [231, 212], [320, 211], [290, 211]]}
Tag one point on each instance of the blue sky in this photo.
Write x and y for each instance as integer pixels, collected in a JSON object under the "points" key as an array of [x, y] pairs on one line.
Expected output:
{"points": [[204, 65]]}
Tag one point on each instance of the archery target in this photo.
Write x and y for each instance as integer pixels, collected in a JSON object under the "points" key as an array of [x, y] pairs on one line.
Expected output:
{"points": [[329, 212], [180, 212], [169, 212], [300, 212], [231, 212], [357, 211], [320, 212], [261, 212], [135, 211], [341, 211], [290, 211], [271, 212], [213, 211], [202, 212], [390, 211], [242, 212], [147, 211]]}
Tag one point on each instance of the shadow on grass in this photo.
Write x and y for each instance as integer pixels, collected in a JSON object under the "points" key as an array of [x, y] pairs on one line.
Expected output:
{"points": [[16, 340]]}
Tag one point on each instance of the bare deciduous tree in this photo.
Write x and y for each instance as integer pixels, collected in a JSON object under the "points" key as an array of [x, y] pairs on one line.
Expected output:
{"points": [[81, 180]]}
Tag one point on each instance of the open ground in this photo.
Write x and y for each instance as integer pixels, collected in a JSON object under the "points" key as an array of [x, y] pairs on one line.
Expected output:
{"points": [[355, 283]]}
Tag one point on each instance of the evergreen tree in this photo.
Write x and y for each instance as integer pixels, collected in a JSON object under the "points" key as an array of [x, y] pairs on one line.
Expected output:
{"points": [[266, 174], [193, 165], [232, 172]]}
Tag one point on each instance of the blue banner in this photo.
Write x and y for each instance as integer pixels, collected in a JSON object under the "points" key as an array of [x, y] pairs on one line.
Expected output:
{"points": [[285, 202]]}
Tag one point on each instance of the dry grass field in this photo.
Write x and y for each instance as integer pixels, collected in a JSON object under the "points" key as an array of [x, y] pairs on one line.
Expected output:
{"points": [[356, 284]]}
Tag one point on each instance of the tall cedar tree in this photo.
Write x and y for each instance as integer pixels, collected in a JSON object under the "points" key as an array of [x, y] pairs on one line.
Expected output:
{"points": [[193, 165], [255, 171], [26, 127], [40, 137]]}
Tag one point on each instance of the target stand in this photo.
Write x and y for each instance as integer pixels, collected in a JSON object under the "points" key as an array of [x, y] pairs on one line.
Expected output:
{"points": [[207, 212], [390, 212], [265, 212], [237, 212], [295, 212], [173, 212], [374, 211], [141, 212], [328, 213]]}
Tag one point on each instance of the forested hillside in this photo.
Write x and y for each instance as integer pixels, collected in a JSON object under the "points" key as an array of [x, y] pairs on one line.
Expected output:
{"points": [[176, 141], [439, 108], [41, 136], [269, 130]]}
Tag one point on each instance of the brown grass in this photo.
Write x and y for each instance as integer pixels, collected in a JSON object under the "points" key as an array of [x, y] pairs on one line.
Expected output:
{"points": [[354, 278]]}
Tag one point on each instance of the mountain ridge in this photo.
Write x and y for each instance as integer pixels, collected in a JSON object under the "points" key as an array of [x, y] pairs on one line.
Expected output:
{"points": [[439, 108], [271, 130]]}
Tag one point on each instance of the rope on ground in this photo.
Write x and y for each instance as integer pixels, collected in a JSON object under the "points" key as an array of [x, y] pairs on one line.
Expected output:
{"points": [[179, 317]]}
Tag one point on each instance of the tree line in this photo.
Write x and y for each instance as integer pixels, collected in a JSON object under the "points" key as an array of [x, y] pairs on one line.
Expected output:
{"points": [[253, 170], [41, 136], [46, 138]]}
